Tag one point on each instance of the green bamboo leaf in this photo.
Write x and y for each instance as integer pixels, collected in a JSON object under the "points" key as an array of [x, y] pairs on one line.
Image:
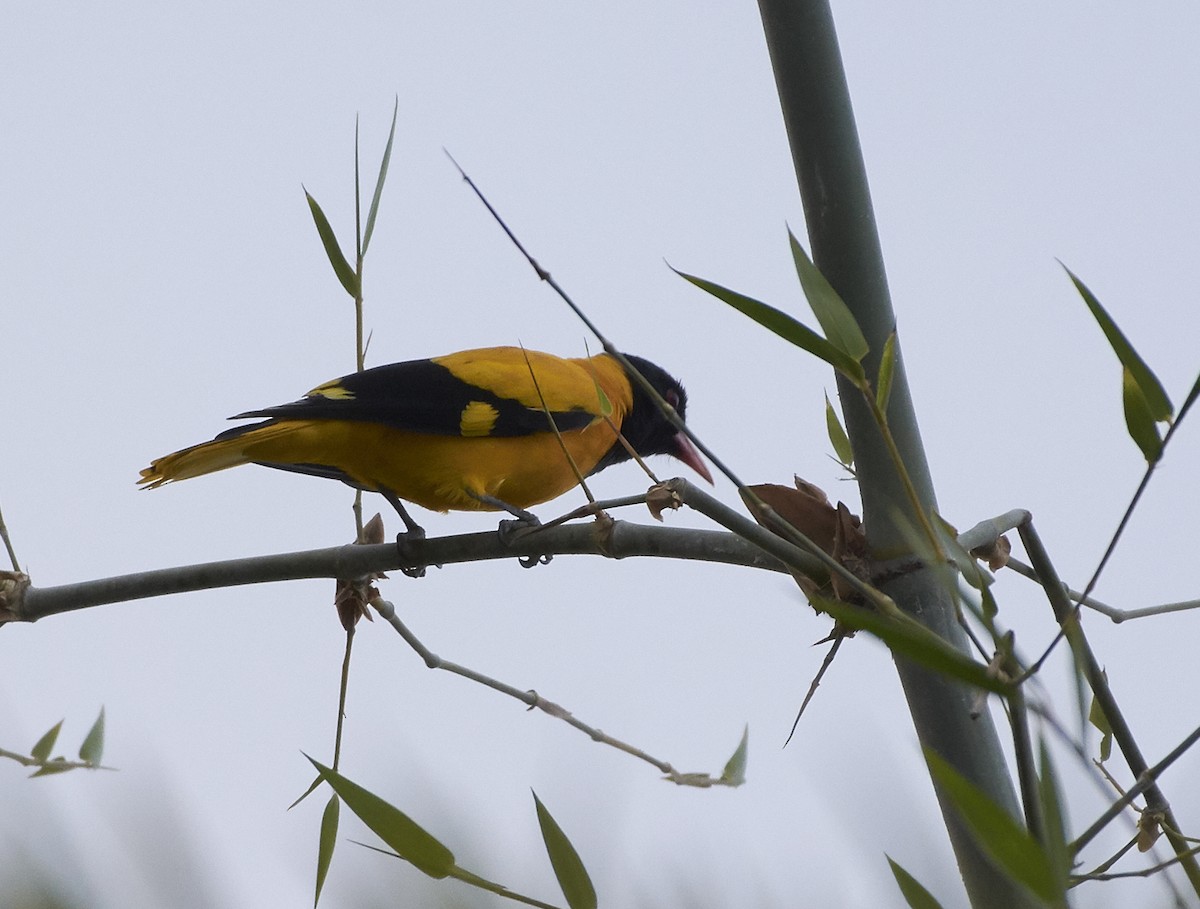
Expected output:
{"points": [[41, 751], [358, 250], [887, 371], [602, 401], [326, 842], [341, 267], [968, 566], [915, 895], [913, 640], [734, 773], [1098, 719], [1008, 843], [1157, 405], [58, 765], [783, 325], [1139, 420], [837, 436], [383, 169], [1054, 837], [990, 607], [568, 867], [312, 787], [408, 839], [92, 749], [839, 324]]}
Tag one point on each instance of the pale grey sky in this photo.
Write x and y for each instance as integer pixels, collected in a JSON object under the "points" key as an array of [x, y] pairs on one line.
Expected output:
{"points": [[162, 272]]}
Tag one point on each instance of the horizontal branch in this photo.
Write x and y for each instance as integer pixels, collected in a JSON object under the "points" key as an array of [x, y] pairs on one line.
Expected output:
{"points": [[621, 539]]}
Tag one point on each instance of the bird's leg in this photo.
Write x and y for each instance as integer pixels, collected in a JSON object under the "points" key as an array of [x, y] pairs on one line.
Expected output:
{"points": [[511, 531], [413, 530], [411, 527], [527, 518]]}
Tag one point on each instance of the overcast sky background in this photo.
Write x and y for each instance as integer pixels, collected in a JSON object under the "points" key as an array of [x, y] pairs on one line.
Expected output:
{"points": [[161, 272]]}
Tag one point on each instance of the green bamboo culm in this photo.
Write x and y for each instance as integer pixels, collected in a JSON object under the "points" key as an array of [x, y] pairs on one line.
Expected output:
{"points": [[845, 246]]}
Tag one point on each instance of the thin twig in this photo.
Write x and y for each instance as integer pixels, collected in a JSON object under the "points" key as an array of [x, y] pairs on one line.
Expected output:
{"points": [[537, 386], [1068, 619], [55, 764], [535, 701], [12, 555], [1115, 613], [838, 637], [1146, 779], [609, 348], [1117, 534], [1145, 872], [342, 689]]}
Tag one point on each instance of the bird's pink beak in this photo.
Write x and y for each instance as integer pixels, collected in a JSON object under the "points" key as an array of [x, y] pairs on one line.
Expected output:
{"points": [[685, 451]]}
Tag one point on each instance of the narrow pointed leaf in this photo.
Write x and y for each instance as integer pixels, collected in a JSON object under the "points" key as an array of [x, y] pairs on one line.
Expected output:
{"points": [[837, 435], [41, 751], [602, 401], [341, 268], [379, 181], [990, 607], [1005, 841], [358, 248], [58, 765], [92, 749], [326, 842], [1098, 719], [914, 641], [785, 326], [408, 839], [915, 895], [1139, 421], [568, 867], [734, 773], [1054, 839], [887, 372], [1156, 398], [966, 563], [838, 323], [307, 792]]}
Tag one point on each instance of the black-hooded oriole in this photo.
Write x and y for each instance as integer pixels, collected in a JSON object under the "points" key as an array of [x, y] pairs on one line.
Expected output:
{"points": [[468, 431]]}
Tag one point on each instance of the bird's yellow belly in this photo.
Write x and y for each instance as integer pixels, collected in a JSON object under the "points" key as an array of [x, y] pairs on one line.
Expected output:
{"points": [[439, 472]]}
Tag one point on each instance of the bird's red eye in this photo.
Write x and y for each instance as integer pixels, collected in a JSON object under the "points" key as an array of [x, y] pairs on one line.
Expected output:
{"points": [[672, 397]]}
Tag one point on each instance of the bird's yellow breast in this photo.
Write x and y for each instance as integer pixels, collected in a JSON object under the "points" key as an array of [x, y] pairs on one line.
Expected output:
{"points": [[439, 472]]}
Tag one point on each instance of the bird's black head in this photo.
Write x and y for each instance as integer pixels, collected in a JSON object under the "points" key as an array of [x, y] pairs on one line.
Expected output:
{"points": [[646, 427]]}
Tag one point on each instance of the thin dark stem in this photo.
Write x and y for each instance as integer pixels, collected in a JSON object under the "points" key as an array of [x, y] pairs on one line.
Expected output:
{"points": [[345, 684], [1026, 771], [1068, 618], [12, 555], [1145, 780]]}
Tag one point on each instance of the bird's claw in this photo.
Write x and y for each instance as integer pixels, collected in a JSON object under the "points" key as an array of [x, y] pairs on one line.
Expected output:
{"points": [[512, 532], [404, 543]]}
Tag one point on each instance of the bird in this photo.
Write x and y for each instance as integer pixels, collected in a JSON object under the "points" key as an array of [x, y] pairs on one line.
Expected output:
{"points": [[469, 431]]}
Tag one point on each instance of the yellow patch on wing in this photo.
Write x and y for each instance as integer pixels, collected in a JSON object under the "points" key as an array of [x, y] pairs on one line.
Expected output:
{"points": [[477, 419], [333, 391], [508, 372]]}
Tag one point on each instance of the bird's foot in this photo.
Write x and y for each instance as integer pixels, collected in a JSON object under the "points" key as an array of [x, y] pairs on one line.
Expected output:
{"points": [[511, 532], [413, 533], [404, 541]]}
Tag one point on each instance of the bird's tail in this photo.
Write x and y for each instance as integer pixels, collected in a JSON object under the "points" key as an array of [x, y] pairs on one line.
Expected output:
{"points": [[229, 449]]}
